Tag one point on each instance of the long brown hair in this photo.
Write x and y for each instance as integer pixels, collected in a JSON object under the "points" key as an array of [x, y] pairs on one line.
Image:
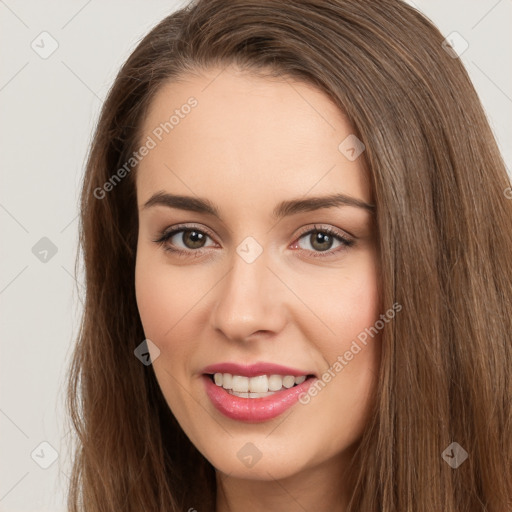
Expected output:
{"points": [[445, 239]]}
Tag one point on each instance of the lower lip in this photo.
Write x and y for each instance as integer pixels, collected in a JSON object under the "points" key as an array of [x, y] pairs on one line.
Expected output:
{"points": [[254, 410]]}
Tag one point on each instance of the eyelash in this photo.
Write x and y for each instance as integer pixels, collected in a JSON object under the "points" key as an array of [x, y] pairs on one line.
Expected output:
{"points": [[164, 236]]}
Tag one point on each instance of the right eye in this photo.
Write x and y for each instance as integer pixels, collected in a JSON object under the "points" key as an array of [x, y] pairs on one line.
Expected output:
{"points": [[191, 238]]}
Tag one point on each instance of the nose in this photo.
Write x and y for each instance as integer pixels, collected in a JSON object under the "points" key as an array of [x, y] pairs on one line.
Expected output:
{"points": [[250, 300]]}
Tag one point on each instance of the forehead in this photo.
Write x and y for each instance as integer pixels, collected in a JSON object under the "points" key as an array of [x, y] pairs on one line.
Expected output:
{"points": [[229, 129]]}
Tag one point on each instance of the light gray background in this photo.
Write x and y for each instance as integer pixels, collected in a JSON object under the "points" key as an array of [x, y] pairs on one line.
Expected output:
{"points": [[49, 108]]}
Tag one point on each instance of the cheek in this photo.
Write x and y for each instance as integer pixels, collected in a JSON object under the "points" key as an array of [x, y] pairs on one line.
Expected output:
{"points": [[350, 307], [167, 301], [152, 295], [160, 291], [350, 303], [160, 308]]}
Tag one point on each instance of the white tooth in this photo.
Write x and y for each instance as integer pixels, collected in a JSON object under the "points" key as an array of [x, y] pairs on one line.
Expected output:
{"points": [[288, 381], [227, 381], [275, 383], [255, 387], [240, 384], [258, 384]]}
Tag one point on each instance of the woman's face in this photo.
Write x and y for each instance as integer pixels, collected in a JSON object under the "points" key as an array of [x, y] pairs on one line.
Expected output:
{"points": [[251, 287]]}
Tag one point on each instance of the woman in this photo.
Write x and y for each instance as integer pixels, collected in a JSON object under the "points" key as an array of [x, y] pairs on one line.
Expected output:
{"points": [[297, 236]]}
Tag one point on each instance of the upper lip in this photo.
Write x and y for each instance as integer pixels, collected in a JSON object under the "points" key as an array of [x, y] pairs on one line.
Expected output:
{"points": [[255, 369]]}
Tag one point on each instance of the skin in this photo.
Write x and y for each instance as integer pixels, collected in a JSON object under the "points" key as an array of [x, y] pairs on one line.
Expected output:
{"points": [[250, 143]]}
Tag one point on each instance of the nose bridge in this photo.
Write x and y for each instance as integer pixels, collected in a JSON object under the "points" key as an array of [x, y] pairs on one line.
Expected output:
{"points": [[250, 300]]}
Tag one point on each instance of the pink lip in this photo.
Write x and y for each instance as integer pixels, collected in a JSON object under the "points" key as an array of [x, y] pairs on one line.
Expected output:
{"points": [[253, 370], [254, 410]]}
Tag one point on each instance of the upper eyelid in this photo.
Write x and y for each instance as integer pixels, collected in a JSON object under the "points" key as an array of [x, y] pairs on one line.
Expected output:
{"points": [[186, 227], [327, 227]]}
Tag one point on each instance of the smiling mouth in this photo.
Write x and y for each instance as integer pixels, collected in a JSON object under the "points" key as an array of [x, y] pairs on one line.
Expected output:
{"points": [[256, 387]]}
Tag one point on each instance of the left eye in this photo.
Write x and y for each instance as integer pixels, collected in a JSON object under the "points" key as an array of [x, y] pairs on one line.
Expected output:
{"points": [[322, 240]]}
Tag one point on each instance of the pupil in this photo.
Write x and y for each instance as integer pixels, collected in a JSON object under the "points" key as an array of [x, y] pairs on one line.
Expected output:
{"points": [[322, 238], [197, 238]]}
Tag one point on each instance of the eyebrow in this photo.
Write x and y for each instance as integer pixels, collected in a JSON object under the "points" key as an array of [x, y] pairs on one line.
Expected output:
{"points": [[283, 209]]}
